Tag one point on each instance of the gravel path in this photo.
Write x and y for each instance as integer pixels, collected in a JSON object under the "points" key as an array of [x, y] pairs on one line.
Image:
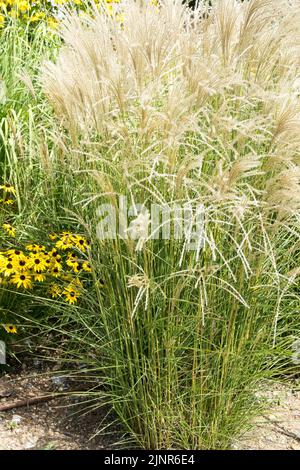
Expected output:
{"points": [[279, 429]]}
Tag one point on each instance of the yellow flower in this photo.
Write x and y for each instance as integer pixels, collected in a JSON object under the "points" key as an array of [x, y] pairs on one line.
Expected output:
{"points": [[37, 262], [76, 282], [35, 248], [86, 266], [66, 241], [7, 202], [8, 188], [22, 280], [2, 21], [13, 252], [77, 267], [56, 269], [20, 262], [37, 16], [72, 259], [2, 260], [39, 277], [71, 295], [22, 5], [80, 242], [7, 269], [52, 23], [54, 291], [54, 254], [53, 236], [10, 328], [9, 229]]}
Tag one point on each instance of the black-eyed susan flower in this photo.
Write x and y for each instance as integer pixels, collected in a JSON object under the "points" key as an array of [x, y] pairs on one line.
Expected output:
{"points": [[7, 202], [71, 260], [20, 262], [39, 277], [8, 188], [7, 269], [65, 242], [22, 280], [48, 261], [80, 242], [54, 291], [15, 252], [66, 233], [56, 269], [53, 236], [9, 229], [77, 266], [54, 254], [2, 260], [86, 266], [35, 248], [37, 262], [71, 295], [10, 328]]}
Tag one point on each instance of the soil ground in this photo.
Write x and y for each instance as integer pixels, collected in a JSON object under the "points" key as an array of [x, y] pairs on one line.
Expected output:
{"points": [[279, 428], [59, 424]]}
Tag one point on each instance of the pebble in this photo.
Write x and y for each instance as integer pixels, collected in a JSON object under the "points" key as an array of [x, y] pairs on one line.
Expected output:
{"points": [[297, 432], [16, 419], [295, 447], [30, 443]]}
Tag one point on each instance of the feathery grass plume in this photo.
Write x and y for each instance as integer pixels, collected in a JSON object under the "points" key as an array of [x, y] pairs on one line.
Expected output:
{"points": [[173, 106]]}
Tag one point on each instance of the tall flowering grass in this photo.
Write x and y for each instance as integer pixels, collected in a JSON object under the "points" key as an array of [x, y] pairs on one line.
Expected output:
{"points": [[173, 106]]}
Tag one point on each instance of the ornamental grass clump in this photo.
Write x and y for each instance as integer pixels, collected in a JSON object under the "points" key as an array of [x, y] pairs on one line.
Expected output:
{"points": [[172, 107]]}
